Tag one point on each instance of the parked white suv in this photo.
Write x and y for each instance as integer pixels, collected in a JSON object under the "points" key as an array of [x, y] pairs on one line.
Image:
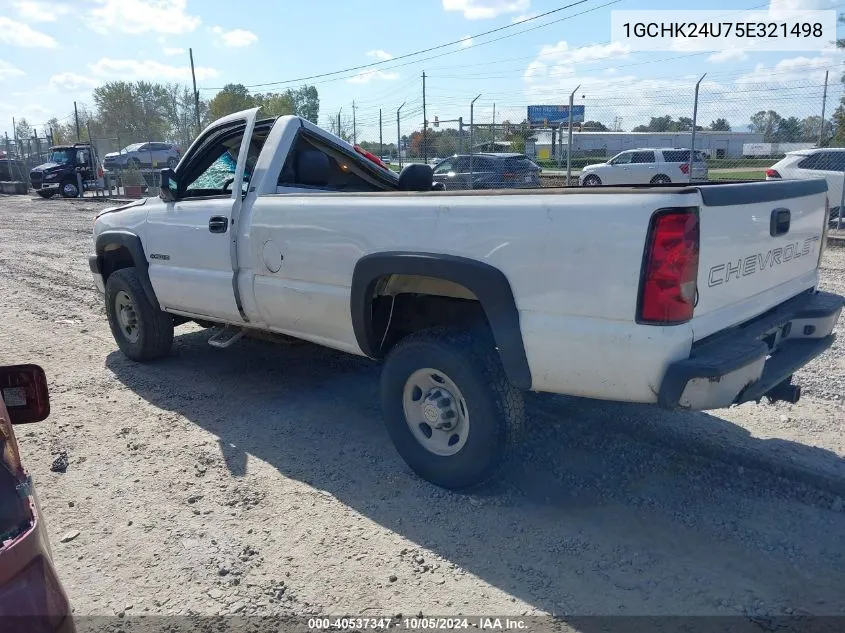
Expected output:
{"points": [[646, 166], [827, 163]]}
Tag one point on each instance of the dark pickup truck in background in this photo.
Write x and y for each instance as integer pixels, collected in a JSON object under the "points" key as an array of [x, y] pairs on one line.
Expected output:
{"points": [[70, 170]]}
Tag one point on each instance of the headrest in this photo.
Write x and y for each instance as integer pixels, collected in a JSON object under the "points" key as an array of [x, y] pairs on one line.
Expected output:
{"points": [[312, 168], [416, 178]]}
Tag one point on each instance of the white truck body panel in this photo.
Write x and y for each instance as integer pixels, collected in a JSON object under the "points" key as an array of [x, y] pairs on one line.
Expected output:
{"points": [[573, 260]]}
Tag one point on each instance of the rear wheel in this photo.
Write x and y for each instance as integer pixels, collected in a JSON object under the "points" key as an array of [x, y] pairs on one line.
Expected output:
{"points": [[592, 181], [45, 193], [69, 189], [661, 179], [141, 330], [449, 409]]}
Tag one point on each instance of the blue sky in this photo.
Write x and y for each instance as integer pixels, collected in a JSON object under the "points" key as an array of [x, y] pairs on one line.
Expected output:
{"points": [[52, 53]]}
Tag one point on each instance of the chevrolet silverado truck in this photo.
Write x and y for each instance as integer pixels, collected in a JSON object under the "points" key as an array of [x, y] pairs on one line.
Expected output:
{"points": [[687, 297]]}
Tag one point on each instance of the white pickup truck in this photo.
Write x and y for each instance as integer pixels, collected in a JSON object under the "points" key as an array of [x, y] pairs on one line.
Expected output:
{"points": [[692, 297]]}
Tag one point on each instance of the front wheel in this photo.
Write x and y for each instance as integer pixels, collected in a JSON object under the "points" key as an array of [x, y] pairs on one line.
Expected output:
{"points": [[172, 162], [69, 189], [449, 409], [592, 181], [141, 330]]}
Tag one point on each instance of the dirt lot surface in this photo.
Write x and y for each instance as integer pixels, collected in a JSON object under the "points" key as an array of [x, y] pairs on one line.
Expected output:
{"points": [[259, 479]]}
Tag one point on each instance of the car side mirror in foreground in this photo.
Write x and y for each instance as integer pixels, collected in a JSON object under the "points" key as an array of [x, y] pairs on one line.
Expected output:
{"points": [[25, 393], [168, 185]]}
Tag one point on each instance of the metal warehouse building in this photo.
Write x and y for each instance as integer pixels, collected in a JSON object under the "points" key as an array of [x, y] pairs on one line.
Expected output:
{"points": [[714, 144]]}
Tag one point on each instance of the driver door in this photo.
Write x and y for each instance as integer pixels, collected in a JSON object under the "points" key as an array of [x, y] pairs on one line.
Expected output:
{"points": [[189, 241], [620, 170]]}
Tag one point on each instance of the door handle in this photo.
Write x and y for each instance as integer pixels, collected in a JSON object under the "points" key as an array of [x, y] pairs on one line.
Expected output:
{"points": [[218, 224]]}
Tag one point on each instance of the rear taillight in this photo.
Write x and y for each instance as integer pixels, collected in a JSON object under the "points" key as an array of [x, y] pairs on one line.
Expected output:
{"points": [[684, 168], [772, 173], [670, 268]]}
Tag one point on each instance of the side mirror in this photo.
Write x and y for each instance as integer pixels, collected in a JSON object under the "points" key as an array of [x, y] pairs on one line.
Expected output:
{"points": [[168, 185], [25, 393]]}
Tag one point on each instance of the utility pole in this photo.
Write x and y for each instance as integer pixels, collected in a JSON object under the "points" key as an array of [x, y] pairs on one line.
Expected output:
{"points": [[76, 116], [694, 121], [425, 127], [569, 136], [471, 148], [824, 104], [339, 134], [354, 129], [493, 129], [196, 94], [399, 134], [380, 132]]}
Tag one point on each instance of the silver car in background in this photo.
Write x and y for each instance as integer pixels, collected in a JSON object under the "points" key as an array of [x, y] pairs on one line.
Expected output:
{"points": [[138, 155]]}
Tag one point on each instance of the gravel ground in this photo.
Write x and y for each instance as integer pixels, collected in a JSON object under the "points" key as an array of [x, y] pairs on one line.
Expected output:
{"points": [[259, 479]]}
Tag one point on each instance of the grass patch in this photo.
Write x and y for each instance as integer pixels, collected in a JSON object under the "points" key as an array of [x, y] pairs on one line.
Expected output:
{"points": [[751, 174]]}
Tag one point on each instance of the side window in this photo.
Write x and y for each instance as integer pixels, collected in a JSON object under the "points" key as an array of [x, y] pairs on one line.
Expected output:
{"points": [[82, 157], [810, 162], [831, 161], [642, 157], [444, 168], [622, 159], [310, 167], [461, 164]]}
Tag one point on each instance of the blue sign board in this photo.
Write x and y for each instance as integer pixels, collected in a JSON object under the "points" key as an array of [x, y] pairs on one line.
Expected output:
{"points": [[554, 114]]}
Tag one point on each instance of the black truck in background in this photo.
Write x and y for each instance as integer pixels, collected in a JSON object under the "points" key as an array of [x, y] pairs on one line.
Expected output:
{"points": [[69, 171]]}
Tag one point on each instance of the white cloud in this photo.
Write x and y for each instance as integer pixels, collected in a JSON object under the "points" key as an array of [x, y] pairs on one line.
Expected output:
{"points": [[142, 16], [71, 82], [19, 34], [380, 55], [524, 16], [559, 59], [728, 55], [486, 9], [173, 51], [235, 38], [7, 70], [366, 76], [41, 11], [466, 42], [792, 87], [134, 69]]}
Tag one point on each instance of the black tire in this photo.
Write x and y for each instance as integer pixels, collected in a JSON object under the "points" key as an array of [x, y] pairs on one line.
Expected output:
{"points": [[133, 163], [592, 181], [154, 335], [45, 193], [69, 189], [172, 162], [661, 179], [494, 406]]}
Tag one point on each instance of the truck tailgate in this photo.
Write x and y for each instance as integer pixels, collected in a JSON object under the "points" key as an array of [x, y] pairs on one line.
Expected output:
{"points": [[759, 247]]}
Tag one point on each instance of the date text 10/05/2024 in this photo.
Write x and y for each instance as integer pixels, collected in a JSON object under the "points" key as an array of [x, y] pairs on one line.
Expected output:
{"points": [[419, 623]]}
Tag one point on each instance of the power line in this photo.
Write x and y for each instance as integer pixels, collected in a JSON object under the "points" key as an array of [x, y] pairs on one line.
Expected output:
{"points": [[419, 52]]}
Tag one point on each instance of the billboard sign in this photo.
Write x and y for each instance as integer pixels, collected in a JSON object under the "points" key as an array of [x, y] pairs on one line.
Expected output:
{"points": [[554, 114]]}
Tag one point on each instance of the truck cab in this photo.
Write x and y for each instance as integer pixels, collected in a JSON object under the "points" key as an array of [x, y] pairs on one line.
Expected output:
{"points": [[70, 170]]}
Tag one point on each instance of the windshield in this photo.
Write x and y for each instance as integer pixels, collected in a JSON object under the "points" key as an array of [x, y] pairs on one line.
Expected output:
{"points": [[62, 156], [131, 148]]}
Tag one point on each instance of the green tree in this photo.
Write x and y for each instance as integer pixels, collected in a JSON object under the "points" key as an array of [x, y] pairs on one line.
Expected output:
{"points": [[720, 125], [789, 130], [232, 98], [810, 129], [593, 126], [275, 104], [132, 111], [23, 130], [766, 122], [306, 102]]}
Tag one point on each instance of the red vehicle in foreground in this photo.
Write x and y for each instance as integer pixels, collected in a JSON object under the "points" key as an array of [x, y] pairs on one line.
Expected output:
{"points": [[31, 598]]}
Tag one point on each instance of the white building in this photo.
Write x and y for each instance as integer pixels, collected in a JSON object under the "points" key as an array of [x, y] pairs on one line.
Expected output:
{"points": [[714, 144]]}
